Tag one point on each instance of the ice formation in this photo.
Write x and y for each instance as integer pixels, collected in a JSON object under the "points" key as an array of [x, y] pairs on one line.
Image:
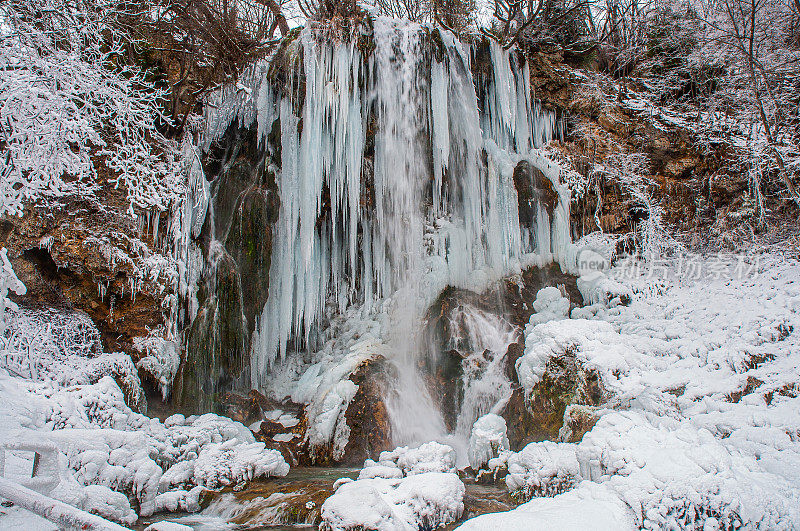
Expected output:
{"points": [[376, 233], [488, 440]]}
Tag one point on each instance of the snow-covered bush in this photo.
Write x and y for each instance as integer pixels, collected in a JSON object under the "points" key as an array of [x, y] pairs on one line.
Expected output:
{"points": [[542, 469], [69, 105], [8, 282], [162, 359]]}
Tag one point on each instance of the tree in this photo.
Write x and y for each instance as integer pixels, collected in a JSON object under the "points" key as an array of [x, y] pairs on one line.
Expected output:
{"points": [[755, 43], [534, 21], [201, 44], [69, 106]]}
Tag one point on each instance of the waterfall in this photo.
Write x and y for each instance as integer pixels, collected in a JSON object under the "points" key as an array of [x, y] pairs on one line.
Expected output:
{"points": [[483, 343], [398, 165]]}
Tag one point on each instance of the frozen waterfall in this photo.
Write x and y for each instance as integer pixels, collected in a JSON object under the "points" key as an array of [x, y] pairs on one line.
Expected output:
{"points": [[398, 163]]}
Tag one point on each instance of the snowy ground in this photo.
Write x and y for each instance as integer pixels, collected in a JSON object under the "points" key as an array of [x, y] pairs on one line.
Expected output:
{"points": [[703, 426], [60, 397]]}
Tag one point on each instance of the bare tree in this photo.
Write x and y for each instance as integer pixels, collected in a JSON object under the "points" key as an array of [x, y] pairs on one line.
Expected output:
{"points": [[535, 21], [755, 41], [202, 43]]}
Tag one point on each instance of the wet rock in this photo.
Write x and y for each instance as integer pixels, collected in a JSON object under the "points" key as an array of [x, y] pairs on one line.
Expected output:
{"points": [[366, 416], [293, 500], [216, 353], [236, 240], [246, 409], [533, 189]]}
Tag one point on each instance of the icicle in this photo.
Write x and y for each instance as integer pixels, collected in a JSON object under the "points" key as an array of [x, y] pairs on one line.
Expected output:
{"points": [[327, 258]]}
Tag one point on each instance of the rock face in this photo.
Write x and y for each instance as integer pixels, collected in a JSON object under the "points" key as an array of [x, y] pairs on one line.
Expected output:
{"points": [[236, 243], [366, 416], [541, 417], [87, 255]]}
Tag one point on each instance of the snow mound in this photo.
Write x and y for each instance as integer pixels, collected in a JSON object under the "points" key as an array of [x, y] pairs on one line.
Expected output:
{"points": [[429, 457], [591, 508], [550, 304], [421, 501], [542, 469], [408, 488], [597, 288], [487, 441]]}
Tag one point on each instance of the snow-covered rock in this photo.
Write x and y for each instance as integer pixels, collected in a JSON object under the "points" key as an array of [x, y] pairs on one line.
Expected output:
{"points": [[596, 345], [421, 501], [408, 488], [429, 457], [591, 508], [488, 439]]}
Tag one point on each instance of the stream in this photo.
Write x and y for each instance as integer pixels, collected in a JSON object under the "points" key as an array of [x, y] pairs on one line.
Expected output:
{"points": [[294, 503]]}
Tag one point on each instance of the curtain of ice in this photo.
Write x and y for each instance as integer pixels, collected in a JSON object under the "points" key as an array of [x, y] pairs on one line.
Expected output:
{"points": [[312, 260], [442, 207]]}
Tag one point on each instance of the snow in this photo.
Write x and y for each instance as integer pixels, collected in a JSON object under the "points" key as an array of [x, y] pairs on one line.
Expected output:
{"points": [[590, 508], [543, 469], [96, 452], [64, 107], [549, 305], [488, 440], [104, 443], [58, 511], [701, 422], [162, 359], [429, 457], [408, 488]]}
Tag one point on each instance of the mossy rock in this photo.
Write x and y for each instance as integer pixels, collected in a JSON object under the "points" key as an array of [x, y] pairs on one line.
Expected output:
{"points": [[217, 351]]}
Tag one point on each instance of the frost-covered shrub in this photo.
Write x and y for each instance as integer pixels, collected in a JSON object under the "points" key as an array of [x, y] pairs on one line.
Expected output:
{"points": [[429, 457], [162, 359], [542, 469], [68, 105], [421, 501], [62, 348]]}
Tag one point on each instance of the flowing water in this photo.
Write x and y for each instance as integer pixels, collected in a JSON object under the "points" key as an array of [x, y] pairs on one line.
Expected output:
{"points": [[397, 164]]}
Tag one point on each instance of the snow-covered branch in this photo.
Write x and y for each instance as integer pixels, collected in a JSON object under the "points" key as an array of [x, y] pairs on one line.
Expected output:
{"points": [[72, 116]]}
